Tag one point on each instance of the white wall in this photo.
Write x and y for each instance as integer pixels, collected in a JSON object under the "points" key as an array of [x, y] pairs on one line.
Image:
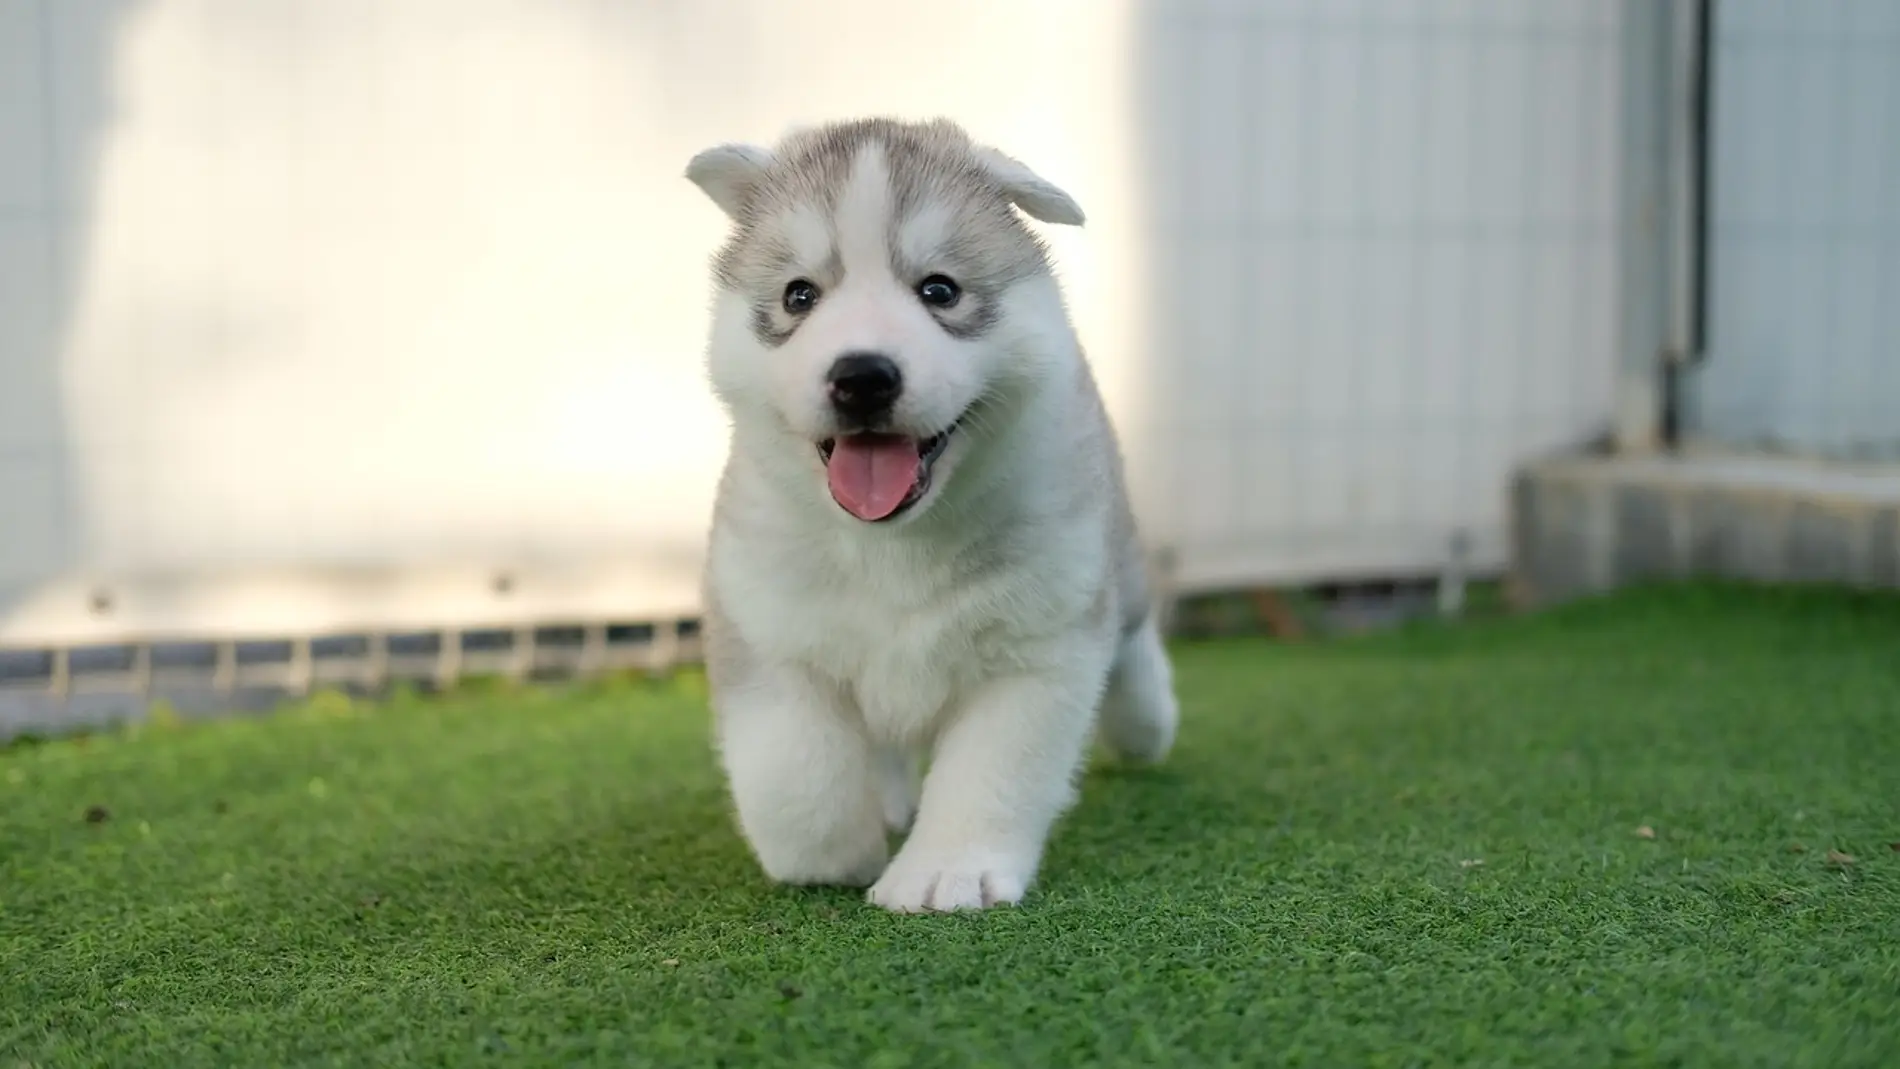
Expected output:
{"points": [[1804, 317], [318, 313]]}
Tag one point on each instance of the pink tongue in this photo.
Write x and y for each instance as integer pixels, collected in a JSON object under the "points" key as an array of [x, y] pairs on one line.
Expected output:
{"points": [[870, 474]]}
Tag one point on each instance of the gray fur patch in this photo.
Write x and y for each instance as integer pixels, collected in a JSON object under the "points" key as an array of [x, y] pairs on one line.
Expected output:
{"points": [[932, 165], [768, 329], [771, 323], [973, 324]]}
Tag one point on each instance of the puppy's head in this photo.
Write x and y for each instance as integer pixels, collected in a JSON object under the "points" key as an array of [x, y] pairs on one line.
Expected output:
{"points": [[877, 294]]}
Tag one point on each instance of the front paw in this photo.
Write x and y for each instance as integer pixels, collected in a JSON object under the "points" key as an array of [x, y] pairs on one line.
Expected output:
{"points": [[927, 881], [826, 865]]}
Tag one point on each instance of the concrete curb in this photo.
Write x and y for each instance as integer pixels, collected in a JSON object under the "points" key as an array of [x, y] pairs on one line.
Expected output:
{"points": [[1587, 525]]}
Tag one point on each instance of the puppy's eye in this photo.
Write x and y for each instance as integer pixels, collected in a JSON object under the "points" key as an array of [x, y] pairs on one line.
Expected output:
{"points": [[939, 292], [800, 296]]}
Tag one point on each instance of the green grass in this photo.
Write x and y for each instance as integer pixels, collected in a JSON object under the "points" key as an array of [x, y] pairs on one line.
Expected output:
{"points": [[1411, 849]]}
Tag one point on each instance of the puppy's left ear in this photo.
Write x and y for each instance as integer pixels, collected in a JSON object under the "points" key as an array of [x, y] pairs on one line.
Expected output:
{"points": [[1034, 194], [729, 174]]}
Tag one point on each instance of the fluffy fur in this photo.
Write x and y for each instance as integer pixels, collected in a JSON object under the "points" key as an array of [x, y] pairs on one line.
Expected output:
{"points": [[940, 673]]}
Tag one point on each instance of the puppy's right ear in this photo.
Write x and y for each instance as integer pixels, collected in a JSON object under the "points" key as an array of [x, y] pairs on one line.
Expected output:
{"points": [[729, 174]]}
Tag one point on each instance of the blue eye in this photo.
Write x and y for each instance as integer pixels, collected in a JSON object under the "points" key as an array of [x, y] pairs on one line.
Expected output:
{"points": [[939, 292], [800, 296]]}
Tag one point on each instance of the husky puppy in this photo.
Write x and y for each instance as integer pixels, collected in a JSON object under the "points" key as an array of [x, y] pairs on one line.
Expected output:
{"points": [[922, 554]]}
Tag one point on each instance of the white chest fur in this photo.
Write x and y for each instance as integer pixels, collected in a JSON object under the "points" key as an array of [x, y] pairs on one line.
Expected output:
{"points": [[905, 626]]}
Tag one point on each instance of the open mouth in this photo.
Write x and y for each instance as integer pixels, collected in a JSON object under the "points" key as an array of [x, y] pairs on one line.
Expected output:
{"points": [[876, 477]]}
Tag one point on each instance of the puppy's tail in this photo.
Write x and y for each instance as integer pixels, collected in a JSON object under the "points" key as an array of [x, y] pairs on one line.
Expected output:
{"points": [[1139, 710]]}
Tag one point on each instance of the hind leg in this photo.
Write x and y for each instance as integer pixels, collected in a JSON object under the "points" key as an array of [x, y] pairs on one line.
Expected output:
{"points": [[1139, 711], [898, 787]]}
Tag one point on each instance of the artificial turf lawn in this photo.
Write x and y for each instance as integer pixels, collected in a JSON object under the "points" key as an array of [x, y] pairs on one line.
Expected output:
{"points": [[1411, 849]]}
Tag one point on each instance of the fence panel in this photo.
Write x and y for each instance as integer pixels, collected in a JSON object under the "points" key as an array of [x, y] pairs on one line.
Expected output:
{"points": [[1390, 236], [342, 315], [1804, 273]]}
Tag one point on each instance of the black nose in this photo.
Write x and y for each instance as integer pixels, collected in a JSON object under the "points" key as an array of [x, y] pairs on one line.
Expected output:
{"points": [[864, 385]]}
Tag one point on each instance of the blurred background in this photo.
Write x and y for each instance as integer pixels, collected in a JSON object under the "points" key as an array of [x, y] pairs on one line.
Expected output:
{"points": [[348, 340]]}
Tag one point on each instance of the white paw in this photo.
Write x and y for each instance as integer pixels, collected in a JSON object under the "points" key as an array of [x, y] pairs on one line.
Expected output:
{"points": [[927, 882], [826, 864], [848, 876]]}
